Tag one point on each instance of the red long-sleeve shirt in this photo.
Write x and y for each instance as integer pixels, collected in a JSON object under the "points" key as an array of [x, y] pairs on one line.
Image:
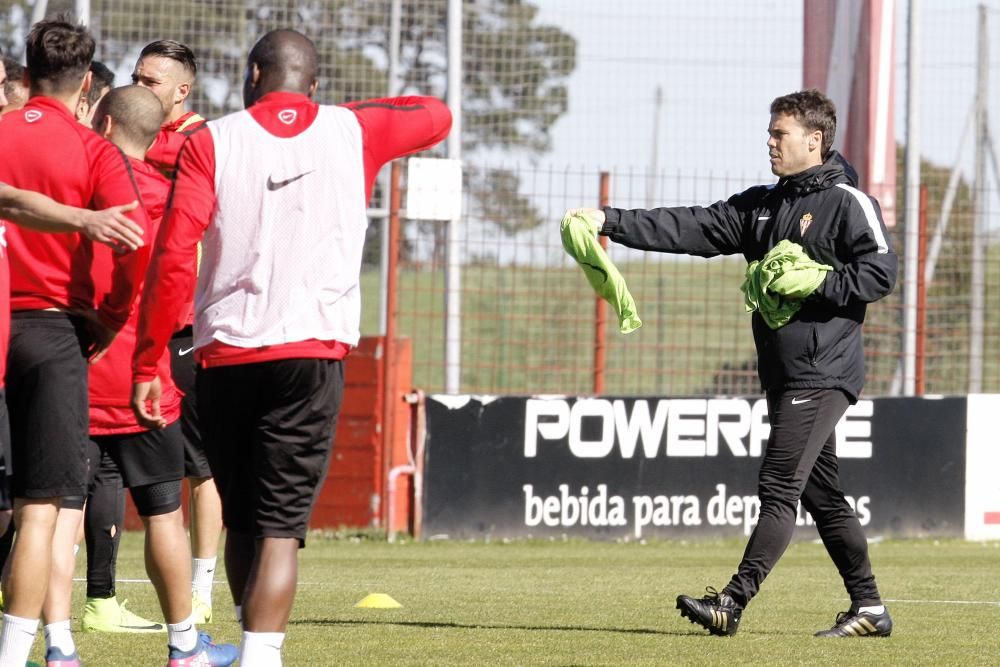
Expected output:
{"points": [[110, 385], [57, 156], [167, 145], [390, 128]]}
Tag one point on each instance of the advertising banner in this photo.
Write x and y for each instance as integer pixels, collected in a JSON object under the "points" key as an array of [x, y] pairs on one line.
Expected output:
{"points": [[635, 467]]}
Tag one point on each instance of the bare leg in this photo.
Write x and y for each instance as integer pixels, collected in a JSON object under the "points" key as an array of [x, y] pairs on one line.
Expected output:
{"points": [[168, 563], [30, 560], [270, 592], [241, 551], [59, 597], [206, 517]]}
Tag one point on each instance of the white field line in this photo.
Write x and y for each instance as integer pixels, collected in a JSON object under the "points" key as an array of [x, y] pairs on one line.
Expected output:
{"points": [[217, 582], [993, 603]]}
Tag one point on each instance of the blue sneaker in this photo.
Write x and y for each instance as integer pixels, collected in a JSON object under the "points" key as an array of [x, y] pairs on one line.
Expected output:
{"points": [[56, 658], [204, 654]]}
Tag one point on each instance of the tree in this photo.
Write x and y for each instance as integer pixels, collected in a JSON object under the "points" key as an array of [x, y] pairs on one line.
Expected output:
{"points": [[514, 76]]}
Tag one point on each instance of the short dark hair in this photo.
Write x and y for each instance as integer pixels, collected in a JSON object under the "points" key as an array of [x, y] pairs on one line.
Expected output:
{"points": [[814, 110], [58, 54], [102, 78], [168, 48], [135, 109], [15, 70]]}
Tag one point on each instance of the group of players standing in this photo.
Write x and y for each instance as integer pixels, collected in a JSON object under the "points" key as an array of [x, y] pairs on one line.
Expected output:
{"points": [[265, 209]]}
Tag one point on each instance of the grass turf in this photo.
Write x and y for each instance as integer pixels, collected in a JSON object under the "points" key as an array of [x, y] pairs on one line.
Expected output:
{"points": [[590, 603]]}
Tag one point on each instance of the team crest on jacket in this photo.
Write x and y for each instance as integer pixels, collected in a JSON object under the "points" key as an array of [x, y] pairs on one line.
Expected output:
{"points": [[804, 223]]}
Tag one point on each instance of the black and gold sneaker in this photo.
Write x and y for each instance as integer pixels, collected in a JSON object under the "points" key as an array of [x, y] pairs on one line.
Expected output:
{"points": [[853, 623], [716, 612]]}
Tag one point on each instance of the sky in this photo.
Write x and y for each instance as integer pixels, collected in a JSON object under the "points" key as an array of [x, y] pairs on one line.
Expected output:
{"points": [[719, 64]]}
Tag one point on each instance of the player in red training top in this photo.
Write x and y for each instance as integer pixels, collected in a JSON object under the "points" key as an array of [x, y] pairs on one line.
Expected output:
{"points": [[168, 68], [277, 196], [151, 463], [56, 319]]}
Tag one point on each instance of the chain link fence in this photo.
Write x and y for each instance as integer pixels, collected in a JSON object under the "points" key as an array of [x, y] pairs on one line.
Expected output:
{"points": [[670, 99]]}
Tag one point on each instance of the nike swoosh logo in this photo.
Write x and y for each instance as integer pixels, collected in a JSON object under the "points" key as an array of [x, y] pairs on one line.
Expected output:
{"points": [[181, 352], [800, 401], [273, 185]]}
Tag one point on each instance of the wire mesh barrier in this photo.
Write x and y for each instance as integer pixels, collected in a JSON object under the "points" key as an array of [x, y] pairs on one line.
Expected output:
{"points": [[670, 99], [528, 314]]}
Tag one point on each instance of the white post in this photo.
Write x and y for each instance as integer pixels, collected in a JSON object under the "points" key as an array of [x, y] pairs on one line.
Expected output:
{"points": [[453, 277], [392, 89], [912, 212], [978, 259], [83, 11], [38, 13]]}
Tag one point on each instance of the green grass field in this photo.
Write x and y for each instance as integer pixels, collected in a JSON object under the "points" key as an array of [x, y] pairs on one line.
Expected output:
{"points": [[590, 603]]}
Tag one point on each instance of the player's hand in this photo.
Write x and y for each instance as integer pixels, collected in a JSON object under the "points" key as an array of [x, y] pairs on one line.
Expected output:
{"points": [[99, 336], [113, 228], [146, 403], [594, 216]]}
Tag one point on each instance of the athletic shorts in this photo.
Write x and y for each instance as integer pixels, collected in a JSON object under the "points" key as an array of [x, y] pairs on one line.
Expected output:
{"points": [[142, 458], [6, 502], [47, 403], [268, 431], [183, 369]]}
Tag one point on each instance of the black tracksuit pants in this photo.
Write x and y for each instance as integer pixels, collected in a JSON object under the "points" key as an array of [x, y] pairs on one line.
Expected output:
{"points": [[801, 463]]}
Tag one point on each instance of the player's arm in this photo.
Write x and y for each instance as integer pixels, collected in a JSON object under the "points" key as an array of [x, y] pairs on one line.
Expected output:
{"points": [[871, 272], [172, 270], [114, 182], [398, 126], [692, 230], [35, 211]]}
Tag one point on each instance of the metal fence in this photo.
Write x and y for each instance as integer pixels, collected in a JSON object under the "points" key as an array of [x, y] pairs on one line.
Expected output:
{"points": [[530, 322], [669, 99]]}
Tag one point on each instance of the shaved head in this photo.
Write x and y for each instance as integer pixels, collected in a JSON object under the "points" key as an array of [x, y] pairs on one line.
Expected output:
{"points": [[283, 60], [136, 114]]}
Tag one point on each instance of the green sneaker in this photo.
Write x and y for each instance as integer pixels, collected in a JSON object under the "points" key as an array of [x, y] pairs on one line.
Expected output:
{"points": [[202, 610], [107, 615]]}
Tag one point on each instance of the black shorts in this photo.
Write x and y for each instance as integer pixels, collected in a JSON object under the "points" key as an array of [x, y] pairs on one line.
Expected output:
{"points": [[142, 458], [6, 502], [184, 369], [269, 432], [47, 401]]}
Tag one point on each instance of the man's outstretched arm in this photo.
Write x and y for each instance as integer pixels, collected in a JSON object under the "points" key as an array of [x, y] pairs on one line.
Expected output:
{"points": [[36, 211]]}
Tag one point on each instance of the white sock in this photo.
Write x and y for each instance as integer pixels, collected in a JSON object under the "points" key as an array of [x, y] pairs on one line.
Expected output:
{"points": [[878, 610], [239, 613], [261, 649], [57, 635], [182, 636], [202, 577], [16, 638]]}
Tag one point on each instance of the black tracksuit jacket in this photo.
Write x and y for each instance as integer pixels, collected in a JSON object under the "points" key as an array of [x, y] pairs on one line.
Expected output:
{"points": [[822, 210]]}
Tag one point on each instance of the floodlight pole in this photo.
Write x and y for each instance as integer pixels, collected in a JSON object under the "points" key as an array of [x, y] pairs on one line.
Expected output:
{"points": [[83, 11], [453, 276], [392, 89], [38, 13], [912, 212], [978, 257]]}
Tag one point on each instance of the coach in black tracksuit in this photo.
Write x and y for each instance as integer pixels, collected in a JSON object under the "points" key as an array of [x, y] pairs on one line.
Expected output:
{"points": [[813, 367]]}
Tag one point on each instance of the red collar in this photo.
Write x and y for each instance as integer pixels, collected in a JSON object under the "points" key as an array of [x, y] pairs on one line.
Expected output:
{"points": [[50, 104], [279, 98]]}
